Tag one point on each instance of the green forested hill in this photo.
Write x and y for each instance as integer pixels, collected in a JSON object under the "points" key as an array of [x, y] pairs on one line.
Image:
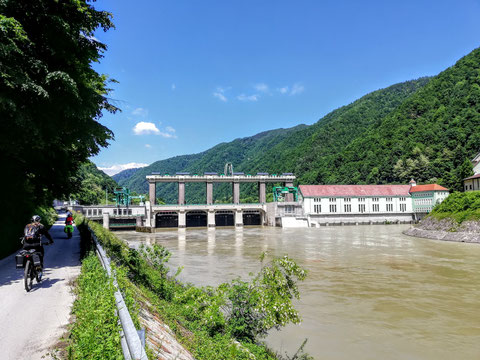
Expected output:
{"points": [[282, 150], [92, 183], [430, 137], [427, 129], [304, 151]]}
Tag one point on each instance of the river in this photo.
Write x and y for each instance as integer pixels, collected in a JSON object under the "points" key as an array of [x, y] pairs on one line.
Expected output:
{"points": [[371, 292]]}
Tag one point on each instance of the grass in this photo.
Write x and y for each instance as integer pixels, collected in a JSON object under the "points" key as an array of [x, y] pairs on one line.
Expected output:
{"points": [[95, 331]]}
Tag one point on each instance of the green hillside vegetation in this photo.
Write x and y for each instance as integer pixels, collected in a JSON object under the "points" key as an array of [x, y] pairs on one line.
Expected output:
{"points": [[305, 152], [299, 149], [459, 207], [430, 137], [92, 184]]}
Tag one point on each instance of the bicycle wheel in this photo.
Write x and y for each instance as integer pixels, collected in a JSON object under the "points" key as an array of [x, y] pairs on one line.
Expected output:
{"points": [[38, 275], [28, 276]]}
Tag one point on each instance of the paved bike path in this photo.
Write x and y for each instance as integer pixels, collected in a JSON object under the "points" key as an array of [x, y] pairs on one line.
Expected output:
{"points": [[31, 323]]}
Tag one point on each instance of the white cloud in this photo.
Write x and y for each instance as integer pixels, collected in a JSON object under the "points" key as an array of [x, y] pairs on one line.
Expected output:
{"points": [[243, 97], [170, 129], [219, 94], [283, 90], [262, 87], [148, 146], [145, 128], [297, 89], [174, 86], [115, 169], [140, 112], [167, 135]]}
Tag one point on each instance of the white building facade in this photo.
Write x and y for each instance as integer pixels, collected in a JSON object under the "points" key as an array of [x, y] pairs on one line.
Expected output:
{"points": [[472, 183], [356, 204]]}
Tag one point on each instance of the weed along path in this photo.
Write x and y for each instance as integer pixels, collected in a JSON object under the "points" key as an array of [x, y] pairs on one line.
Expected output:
{"points": [[31, 323]]}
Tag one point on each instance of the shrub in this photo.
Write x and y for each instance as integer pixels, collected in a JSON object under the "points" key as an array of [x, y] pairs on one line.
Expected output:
{"points": [[459, 206]]}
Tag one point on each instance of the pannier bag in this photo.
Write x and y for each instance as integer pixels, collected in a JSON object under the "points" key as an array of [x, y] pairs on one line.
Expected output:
{"points": [[68, 229], [20, 259], [36, 259]]}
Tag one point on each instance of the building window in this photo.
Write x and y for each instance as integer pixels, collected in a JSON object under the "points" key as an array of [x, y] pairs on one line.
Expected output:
{"points": [[403, 207], [389, 199], [333, 208], [129, 211], [289, 209], [361, 199], [375, 199], [94, 212], [389, 207], [332, 200], [347, 199], [376, 207], [99, 211], [89, 212], [361, 208], [317, 209], [114, 211], [347, 208]]}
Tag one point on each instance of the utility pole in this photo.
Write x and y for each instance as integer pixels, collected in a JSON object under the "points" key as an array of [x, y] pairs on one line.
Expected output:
{"points": [[106, 196]]}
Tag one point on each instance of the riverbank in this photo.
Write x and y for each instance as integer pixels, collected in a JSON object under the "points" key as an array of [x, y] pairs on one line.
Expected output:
{"points": [[446, 229], [223, 322]]}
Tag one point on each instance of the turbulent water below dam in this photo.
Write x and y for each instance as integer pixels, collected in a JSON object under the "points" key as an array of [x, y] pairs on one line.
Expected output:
{"points": [[371, 292]]}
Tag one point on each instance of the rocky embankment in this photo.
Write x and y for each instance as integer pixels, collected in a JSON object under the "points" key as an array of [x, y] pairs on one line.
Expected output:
{"points": [[446, 229]]}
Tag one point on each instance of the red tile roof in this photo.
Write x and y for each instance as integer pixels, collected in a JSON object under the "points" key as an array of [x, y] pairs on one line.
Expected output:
{"points": [[472, 177], [428, 187], [354, 190]]}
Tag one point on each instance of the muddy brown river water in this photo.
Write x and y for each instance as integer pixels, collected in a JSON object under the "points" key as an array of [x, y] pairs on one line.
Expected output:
{"points": [[371, 292]]}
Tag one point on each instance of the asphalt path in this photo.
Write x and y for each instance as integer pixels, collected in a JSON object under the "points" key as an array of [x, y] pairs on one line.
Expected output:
{"points": [[32, 323]]}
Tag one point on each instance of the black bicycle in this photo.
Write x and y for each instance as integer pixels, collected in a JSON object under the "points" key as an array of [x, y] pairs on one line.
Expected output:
{"points": [[32, 261]]}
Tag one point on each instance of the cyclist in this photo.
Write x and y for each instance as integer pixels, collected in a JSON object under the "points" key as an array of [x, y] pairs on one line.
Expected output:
{"points": [[69, 225], [32, 238]]}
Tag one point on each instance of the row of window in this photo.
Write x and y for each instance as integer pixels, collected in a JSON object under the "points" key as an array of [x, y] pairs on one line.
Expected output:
{"points": [[94, 212], [423, 201], [125, 212], [317, 209], [362, 199], [98, 212]]}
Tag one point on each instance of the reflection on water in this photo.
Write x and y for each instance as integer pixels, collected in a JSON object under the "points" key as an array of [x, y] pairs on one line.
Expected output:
{"points": [[371, 292]]}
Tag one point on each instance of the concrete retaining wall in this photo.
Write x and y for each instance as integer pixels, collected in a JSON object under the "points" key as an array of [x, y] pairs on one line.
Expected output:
{"points": [[468, 237]]}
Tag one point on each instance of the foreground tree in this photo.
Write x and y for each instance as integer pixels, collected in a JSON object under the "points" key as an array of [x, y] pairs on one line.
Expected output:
{"points": [[50, 98]]}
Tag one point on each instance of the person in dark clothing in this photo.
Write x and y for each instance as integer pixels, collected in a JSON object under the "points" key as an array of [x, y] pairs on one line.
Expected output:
{"points": [[33, 233]]}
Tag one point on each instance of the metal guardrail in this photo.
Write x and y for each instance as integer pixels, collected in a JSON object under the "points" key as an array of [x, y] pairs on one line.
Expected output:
{"points": [[132, 346]]}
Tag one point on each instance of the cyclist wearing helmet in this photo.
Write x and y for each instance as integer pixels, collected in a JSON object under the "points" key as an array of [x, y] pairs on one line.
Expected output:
{"points": [[32, 238]]}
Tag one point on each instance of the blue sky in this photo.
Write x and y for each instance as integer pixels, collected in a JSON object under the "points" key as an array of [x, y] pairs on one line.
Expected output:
{"points": [[193, 74]]}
